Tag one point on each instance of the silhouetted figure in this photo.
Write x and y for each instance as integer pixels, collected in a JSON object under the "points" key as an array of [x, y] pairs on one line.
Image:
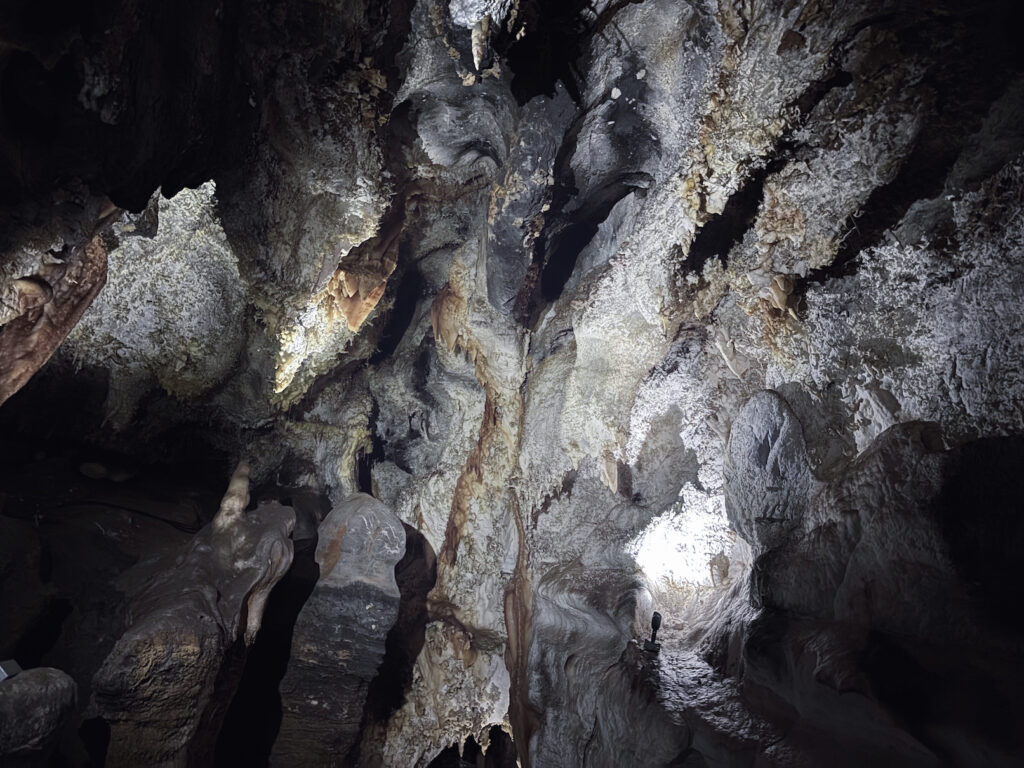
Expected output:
{"points": [[652, 645]]}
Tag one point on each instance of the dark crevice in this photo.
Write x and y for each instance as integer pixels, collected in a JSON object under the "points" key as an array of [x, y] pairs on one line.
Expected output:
{"points": [[559, 247], [979, 515], [725, 230], [341, 373], [547, 54], [401, 315], [421, 369], [254, 717], [366, 459], [45, 632], [920, 178], [399, 26], [530, 301], [415, 574], [565, 245], [557, 35], [95, 736], [559, 264], [816, 91], [364, 469], [225, 686]]}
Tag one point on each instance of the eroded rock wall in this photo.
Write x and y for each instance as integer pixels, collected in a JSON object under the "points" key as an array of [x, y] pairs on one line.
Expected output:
{"points": [[621, 306]]}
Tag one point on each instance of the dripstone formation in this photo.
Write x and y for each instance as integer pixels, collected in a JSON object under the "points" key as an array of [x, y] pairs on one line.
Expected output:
{"points": [[339, 638], [508, 324]]}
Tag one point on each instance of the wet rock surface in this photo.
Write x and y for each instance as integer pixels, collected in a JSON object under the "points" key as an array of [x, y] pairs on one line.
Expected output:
{"points": [[704, 308]]}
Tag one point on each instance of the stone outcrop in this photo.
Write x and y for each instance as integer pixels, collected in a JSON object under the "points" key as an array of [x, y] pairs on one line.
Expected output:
{"points": [[338, 642], [47, 312], [873, 606], [34, 706], [167, 683]]}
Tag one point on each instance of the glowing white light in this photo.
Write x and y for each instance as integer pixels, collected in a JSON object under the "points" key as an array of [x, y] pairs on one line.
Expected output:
{"points": [[678, 546]]}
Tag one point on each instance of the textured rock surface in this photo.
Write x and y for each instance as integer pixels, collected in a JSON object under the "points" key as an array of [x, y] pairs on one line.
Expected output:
{"points": [[166, 685], [338, 642], [137, 318], [622, 306], [34, 705], [48, 312], [834, 640]]}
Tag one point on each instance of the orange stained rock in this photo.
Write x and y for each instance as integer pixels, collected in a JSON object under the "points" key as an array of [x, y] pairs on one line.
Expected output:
{"points": [[28, 341], [358, 284]]}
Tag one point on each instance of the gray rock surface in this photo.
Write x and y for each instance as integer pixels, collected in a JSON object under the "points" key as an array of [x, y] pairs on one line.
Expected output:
{"points": [[34, 706], [338, 643], [709, 308], [833, 641]]}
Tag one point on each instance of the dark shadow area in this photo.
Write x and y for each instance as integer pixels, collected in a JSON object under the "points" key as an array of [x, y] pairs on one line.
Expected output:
{"points": [[955, 705], [44, 633], [56, 424], [364, 472], [180, 97], [899, 681], [688, 758], [366, 459], [415, 574], [556, 37], [401, 315], [725, 230], [548, 53], [557, 250], [981, 513], [254, 718], [95, 736], [501, 752]]}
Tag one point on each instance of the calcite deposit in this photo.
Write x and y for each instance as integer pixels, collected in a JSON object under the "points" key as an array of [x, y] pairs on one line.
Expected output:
{"points": [[591, 309]]}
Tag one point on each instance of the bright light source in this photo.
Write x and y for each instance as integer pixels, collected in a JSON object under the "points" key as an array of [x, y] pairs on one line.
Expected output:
{"points": [[678, 546]]}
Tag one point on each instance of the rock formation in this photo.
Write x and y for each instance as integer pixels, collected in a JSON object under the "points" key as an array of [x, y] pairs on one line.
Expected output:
{"points": [[706, 307], [34, 706], [338, 641], [165, 686]]}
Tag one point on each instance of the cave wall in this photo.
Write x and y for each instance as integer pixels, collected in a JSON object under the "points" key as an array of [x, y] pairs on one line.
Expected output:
{"points": [[703, 307]]}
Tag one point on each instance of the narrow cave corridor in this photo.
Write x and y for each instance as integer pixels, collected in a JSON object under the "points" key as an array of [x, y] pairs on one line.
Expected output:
{"points": [[371, 373]]}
